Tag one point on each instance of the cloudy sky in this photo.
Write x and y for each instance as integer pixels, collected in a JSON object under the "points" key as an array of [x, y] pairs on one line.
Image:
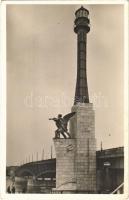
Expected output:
{"points": [[41, 74]]}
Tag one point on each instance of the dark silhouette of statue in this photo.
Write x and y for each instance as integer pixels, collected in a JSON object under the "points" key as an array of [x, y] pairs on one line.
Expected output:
{"points": [[62, 123]]}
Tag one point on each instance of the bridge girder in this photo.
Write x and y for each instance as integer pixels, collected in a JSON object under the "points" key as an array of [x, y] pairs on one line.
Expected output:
{"points": [[38, 169]]}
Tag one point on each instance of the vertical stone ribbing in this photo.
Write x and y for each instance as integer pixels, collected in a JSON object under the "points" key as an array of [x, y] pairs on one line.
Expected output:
{"points": [[81, 29], [81, 93]]}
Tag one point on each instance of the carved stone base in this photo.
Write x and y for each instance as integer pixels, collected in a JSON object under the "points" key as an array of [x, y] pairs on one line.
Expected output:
{"points": [[65, 168]]}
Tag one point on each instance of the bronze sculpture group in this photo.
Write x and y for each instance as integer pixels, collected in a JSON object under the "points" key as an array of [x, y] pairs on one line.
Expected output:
{"points": [[62, 123]]}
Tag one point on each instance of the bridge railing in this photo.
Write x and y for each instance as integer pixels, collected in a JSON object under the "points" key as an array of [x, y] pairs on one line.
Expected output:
{"points": [[119, 189]]}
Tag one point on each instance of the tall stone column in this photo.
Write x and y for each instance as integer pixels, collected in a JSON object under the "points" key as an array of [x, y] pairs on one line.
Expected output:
{"points": [[81, 29], [76, 157], [83, 123]]}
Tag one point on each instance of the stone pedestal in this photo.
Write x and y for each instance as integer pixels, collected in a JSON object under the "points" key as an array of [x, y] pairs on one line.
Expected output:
{"points": [[76, 157], [65, 166], [83, 130]]}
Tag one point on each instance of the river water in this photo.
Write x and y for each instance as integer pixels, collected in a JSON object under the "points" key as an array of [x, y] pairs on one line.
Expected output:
{"points": [[27, 185]]}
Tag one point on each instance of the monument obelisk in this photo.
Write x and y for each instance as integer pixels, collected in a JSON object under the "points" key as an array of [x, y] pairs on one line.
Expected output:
{"points": [[76, 156], [83, 124]]}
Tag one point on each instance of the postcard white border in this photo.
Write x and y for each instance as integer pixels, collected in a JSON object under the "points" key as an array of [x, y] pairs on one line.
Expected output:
{"points": [[3, 194]]}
